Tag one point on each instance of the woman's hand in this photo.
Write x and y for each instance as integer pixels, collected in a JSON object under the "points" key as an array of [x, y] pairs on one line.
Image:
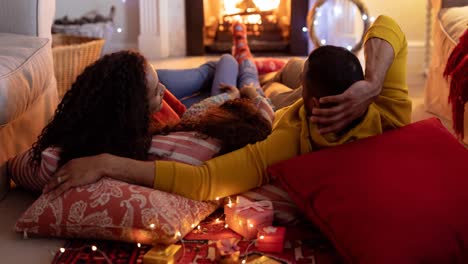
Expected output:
{"points": [[231, 90], [82, 171], [249, 91], [348, 106], [76, 172]]}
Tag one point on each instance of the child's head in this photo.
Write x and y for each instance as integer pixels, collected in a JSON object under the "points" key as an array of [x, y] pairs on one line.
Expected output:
{"points": [[328, 71], [107, 109], [235, 123]]}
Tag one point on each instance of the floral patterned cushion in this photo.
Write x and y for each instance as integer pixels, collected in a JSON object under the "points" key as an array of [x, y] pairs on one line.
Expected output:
{"points": [[114, 210]]}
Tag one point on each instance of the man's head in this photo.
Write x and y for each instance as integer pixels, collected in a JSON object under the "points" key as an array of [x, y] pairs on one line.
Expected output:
{"points": [[328, 71]]}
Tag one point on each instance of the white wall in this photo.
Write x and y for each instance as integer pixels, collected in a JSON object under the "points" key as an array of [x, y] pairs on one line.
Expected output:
{"points": [[177, 34], [126, 17], [410, 14]]}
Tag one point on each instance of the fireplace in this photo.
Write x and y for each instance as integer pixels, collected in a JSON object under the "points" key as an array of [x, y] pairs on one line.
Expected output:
{"points": [[273, 26]]}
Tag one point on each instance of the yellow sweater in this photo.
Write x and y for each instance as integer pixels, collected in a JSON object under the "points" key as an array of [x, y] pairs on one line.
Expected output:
{"points": [[245, 168]]}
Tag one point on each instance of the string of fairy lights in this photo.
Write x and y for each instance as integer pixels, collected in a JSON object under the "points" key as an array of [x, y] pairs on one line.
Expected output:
{"points": [[152, 227]]}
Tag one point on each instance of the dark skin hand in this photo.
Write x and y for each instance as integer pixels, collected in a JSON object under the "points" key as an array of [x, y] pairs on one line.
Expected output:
{"points": [[86, 170]]}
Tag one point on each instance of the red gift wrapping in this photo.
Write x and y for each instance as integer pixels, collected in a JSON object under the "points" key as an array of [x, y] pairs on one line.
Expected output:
{"points": [[271, 239], [246, 217]]}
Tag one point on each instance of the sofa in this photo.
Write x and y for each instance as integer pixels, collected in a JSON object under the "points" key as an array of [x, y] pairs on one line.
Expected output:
{"points": [[28, 99], [450, 21], [28, 93]]}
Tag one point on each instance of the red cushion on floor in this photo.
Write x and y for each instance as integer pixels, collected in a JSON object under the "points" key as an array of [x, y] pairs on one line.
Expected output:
{"points": [[267, 65], [401, 197]]}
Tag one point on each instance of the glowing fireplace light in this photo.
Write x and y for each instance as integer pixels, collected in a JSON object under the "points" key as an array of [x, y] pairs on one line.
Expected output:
{"points": [[254, 19], [231, 6], [237, 7], [267, 5]]}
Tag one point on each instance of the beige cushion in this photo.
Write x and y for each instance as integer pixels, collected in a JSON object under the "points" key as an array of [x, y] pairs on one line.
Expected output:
{"points": [[26, 71], [450, 24], [454, 21]]}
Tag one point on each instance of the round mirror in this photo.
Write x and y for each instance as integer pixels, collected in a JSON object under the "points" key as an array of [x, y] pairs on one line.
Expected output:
{"points": [[339, 23]]}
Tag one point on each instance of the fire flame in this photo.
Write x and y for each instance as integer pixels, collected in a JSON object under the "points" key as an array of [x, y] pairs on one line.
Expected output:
{"points": [[263, 5], [231, 7]]}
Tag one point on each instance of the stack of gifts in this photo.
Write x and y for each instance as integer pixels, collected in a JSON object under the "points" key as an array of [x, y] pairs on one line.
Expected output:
{"points": [[227, 251], [271, 239], [162, 254], [246, 217]]}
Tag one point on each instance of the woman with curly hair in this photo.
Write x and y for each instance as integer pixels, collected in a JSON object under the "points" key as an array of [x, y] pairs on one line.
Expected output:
{"points": [[108, 110]]}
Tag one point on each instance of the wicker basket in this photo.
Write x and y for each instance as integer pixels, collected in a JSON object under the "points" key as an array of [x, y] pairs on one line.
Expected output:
{"points": [[71, 55]]}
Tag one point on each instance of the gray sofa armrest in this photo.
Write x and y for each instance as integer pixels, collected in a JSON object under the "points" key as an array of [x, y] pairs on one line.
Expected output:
{"points": [[27, 17]]}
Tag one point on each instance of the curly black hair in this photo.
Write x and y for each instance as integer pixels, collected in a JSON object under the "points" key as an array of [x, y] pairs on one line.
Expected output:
{"points": [[236, 123], [105, 111]]}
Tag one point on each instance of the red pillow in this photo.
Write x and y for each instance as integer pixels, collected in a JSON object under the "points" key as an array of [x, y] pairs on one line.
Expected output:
{"points": [[114, 210], [266, 65], [171, 112], [400, 197]]}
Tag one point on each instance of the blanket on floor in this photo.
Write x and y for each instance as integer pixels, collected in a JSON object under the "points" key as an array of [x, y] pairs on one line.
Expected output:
{"points": [[304, 245]]}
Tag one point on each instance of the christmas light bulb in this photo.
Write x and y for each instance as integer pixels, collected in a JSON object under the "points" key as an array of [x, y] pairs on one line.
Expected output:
{"points": [[93, 248], [138, 245], [62, 249]]}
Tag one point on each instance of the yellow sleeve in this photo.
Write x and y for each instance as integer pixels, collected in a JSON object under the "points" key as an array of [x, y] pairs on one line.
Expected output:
{"points": [[393, 102], [229, 174]]}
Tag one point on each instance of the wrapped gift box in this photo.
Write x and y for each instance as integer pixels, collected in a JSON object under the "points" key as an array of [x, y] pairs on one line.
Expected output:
{"points": [[271, 239], [246, 217], [162, 254]]}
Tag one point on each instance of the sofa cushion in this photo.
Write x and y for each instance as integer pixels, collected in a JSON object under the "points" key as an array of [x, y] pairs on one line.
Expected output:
{"points": [[26, 71], [454, 21]]}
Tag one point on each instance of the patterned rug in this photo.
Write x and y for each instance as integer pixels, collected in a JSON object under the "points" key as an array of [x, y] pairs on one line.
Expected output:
{"points": [[303, 245]]}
